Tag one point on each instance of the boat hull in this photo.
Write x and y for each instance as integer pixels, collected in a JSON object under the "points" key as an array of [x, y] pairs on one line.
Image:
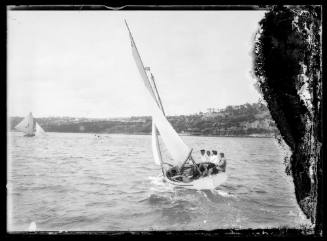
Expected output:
{"points": [[203, 183], [29, 135]]}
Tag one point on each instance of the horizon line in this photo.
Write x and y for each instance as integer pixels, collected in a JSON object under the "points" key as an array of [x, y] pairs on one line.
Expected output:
{"points": [[137, 116]]}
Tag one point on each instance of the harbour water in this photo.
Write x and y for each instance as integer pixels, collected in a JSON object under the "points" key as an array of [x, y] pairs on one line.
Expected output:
{"points": [[106, 182]]}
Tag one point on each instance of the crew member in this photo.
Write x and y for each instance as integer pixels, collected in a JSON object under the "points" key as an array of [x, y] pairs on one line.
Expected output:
{"points": [[208, 156], [203, 155], [222, 163], [214, 157]]}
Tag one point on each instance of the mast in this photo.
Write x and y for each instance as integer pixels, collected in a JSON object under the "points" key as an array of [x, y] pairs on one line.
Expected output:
{"points": [[178, 150], [34, 125], [162, 109], [157, 93], [148, 84], [31, 124]]}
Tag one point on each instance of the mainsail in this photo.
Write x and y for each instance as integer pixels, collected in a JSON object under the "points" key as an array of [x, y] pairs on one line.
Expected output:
{"points": [[24, 125], [175, 145]]}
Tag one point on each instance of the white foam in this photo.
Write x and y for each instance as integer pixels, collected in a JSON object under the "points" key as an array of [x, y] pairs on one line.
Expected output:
{"points": [[223, 193], [159, 185]]}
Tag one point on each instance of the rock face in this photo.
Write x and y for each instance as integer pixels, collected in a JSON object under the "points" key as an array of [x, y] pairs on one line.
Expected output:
{"points": [[287, 64]]}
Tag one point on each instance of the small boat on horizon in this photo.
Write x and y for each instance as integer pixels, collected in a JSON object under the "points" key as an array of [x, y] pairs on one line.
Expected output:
{"points": [[29, 126]]}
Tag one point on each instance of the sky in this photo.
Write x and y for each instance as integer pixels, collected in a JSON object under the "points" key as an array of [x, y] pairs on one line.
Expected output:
{"points": [[80, 64]]}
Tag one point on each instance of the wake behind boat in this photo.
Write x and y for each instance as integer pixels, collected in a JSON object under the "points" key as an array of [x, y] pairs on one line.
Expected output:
{"points": [[29, 126], [173, 171]]}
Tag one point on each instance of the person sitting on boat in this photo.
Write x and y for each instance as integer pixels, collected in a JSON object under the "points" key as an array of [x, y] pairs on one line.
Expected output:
{"points": [[187, 175], [222, 162], [214, 157], [172, 172], [211, 167], [203, 169], [208, 169], [188, 171], [208, 156], [212, 170], [196, 172], [203, 156]]}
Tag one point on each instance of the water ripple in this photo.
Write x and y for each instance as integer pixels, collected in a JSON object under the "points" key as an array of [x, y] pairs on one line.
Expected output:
{"points": [[67, 181]]}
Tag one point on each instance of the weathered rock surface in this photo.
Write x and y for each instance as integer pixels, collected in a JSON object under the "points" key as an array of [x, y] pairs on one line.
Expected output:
{"points": [[288, 67]]}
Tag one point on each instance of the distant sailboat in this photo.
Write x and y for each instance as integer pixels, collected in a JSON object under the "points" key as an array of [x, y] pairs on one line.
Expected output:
{"points": [[29, 126], [178, 150]]}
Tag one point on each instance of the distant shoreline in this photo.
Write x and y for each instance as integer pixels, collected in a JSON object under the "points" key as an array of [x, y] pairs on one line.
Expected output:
{"points": [[148, 134], [248, 120]]}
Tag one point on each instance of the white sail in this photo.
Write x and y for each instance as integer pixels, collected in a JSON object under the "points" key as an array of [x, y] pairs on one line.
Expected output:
{"points": [[23, 125], [175, 145], [39, 129], [155, 145], [141, 68], [26, 125]]}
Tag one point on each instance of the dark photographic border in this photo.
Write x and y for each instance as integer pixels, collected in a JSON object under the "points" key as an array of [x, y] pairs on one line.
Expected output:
{"points": [[284, 232]]}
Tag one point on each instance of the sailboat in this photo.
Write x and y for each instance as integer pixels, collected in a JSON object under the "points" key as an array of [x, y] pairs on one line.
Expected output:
{"points": [[29, 126], [180, 153]]}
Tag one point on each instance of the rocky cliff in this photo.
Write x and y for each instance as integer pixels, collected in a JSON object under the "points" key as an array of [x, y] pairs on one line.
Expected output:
{"points": [[288, 68]]}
